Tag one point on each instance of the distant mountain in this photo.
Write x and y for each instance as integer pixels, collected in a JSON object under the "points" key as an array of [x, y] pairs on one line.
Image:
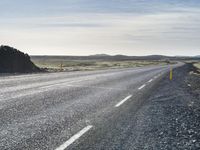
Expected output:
{"points": [[14, 61], [105, 57], [99, 55]]}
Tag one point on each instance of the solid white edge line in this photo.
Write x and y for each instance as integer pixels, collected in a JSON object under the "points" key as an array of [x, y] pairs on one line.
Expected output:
{"points": [[123, 101], [62, 84], [74, 138], [142, 87]]}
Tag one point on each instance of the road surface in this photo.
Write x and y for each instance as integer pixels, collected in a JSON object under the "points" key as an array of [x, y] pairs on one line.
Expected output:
{"points": [[76, 110]]}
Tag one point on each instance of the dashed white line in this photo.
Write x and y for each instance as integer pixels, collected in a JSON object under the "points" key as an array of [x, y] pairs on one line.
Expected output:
{"points": [[123, 101], [74, 138], [142, 87], [150, 80]]}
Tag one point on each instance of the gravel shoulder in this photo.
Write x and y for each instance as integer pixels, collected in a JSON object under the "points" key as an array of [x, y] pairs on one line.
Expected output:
{"points": [[171, 118]]}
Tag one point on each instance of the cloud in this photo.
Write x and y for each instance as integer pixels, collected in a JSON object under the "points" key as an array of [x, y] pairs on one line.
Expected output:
{"points": [[72, 25], [132, 27], [34, 8]]}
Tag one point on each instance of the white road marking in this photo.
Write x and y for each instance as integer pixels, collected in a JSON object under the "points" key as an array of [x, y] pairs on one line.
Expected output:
{"points": [[74, 138], [123, 101], [63, 83], [150, 80], [96, 87], [142, 87]]}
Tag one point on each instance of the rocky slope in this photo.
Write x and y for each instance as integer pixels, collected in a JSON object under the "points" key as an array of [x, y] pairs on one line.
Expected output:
{"points": [[14, 61]]}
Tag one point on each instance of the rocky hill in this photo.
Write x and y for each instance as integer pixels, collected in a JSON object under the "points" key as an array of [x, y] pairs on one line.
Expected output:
{"points": [[14, 61]]}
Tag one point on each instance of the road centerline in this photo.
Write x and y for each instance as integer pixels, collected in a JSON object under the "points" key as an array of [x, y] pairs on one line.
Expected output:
{"points": [[141, 87], [123, 101], [150, 80], [74, 138]]}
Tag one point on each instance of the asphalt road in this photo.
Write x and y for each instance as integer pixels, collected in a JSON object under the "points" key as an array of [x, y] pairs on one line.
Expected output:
{"points": [[76, 110]]}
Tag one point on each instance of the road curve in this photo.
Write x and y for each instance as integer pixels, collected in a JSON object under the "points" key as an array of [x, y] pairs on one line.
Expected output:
{"points": [[59, 110]]}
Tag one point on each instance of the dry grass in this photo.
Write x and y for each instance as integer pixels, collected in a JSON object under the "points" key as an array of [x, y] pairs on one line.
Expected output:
{"points": [[197, 65], [81, 65]]}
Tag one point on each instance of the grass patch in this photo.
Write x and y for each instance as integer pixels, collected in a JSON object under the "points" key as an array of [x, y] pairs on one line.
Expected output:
{"points": [[197, 65]]}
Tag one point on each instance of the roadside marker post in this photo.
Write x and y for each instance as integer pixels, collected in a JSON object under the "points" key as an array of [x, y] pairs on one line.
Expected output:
{"points": [[171, 74], [61, 66]]}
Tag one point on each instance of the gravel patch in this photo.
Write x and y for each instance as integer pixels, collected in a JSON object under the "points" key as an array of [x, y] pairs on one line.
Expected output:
{"points": [[171, 118]]}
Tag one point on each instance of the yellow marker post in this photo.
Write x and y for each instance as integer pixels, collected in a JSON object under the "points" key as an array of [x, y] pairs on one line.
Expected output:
{"points": [[170, 74]]}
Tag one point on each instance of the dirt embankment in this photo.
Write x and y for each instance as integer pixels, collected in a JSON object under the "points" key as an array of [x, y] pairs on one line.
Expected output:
{"points": [[14, 61]]}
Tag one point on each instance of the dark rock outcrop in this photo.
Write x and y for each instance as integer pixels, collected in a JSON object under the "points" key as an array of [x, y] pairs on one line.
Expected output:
{"points": [[14, 61]]}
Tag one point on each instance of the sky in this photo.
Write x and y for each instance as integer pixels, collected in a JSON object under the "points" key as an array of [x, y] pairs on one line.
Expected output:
{"points": [[87, 27]]}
